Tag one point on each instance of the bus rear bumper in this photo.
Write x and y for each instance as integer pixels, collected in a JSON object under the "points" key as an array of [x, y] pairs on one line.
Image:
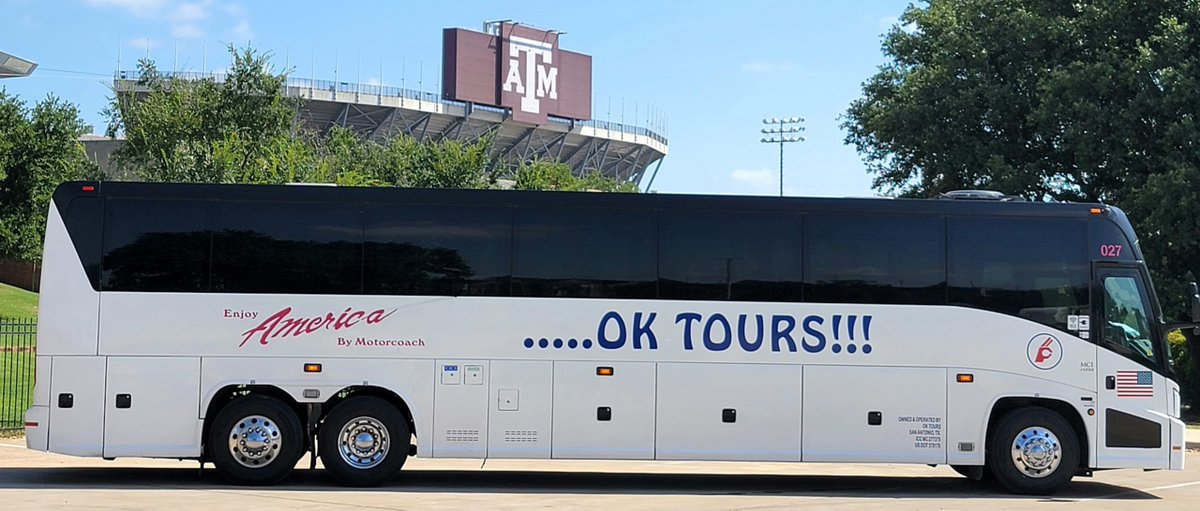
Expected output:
{"points": [[37, 428]]}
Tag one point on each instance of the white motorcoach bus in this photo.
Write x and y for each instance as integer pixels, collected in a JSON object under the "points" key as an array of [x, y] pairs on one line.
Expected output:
{"points": [[248, 325]]}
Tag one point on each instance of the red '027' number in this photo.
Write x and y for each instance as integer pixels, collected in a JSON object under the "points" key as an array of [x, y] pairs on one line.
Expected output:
{"points": [[1110, 250]]}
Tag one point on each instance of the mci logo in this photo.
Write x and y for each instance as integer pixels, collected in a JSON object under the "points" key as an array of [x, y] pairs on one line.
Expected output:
{"points": [[531, 72]]}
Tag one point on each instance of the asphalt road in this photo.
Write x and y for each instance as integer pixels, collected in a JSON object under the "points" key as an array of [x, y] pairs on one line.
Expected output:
{"points": [[35, 480]]}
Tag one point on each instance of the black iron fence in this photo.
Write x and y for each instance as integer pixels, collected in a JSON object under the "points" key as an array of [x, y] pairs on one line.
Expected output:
{"points": [[18, 350]]}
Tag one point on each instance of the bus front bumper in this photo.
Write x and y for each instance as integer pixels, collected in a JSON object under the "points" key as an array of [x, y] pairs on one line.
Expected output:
{"points": [[1178, 443]]}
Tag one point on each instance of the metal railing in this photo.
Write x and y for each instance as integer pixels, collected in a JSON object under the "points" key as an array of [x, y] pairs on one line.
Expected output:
{"points": [[338, 87], [18, 352]]}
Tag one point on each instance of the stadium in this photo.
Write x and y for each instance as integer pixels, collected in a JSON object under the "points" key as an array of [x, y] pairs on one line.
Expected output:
{"points": [[511, 83]]}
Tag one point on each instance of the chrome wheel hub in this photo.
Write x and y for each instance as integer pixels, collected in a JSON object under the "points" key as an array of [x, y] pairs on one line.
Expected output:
{"points": [[254, 441], [363, 442], [1036, 452]]}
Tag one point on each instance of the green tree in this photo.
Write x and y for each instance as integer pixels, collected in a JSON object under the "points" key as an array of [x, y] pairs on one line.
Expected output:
{"points": [[550, 175], [39, 149], [1050, 100], [242, 129]]}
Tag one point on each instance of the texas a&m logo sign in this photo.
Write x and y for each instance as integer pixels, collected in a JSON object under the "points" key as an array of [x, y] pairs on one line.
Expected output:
{"points": [[520, 68], [530, 73]]}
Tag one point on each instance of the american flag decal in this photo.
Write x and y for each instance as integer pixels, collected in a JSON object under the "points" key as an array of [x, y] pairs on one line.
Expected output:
{"points": [[1135, 384]]}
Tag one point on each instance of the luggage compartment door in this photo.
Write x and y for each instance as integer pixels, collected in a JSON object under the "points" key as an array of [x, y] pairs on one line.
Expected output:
{"points": [[874, 414], [152, 407], [603, 410]]}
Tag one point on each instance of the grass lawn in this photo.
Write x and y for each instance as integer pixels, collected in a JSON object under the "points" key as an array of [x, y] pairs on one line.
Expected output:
{"points": [[16, 367], [16, 388], [17, 303]]}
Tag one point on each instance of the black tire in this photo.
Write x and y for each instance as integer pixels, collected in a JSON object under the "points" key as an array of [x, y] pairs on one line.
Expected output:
{"points": [[276, 441], [1050, 468], [385, 434]]}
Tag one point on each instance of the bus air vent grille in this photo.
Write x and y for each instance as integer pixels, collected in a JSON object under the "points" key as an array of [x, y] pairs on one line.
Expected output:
{"points": [[528, 436], [462, 435]]}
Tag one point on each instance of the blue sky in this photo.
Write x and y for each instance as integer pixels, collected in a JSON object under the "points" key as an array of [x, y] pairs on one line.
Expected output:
{"points": [[714, 69]]}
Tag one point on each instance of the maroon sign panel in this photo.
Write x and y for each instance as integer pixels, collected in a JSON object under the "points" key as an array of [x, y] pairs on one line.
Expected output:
{"points": [[522, 69]]}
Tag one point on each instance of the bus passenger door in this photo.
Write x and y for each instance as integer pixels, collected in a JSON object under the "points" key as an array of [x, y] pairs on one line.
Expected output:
{"points": [[1133, 428]]}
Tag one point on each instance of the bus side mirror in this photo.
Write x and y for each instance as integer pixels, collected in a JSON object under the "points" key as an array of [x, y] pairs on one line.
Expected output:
{"points": [[1194, 298]]}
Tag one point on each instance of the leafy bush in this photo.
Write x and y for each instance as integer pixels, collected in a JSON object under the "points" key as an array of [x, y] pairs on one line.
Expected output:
{"points": [[1185, 369]]}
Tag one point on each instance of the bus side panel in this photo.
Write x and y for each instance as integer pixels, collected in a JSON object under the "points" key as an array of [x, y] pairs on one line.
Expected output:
{"points": [[460, 409], [733, 412], [150, 407], [68, 307], [866, 414], [970, 405], [77, 406], [519, 410]]}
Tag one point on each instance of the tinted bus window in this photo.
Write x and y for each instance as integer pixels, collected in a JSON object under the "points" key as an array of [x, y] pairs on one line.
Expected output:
{"points": [[1036, 269], [592, 253], [438, 250], [874, 259], [154, 245], [720, 255], [84, 219], [287, 248]]}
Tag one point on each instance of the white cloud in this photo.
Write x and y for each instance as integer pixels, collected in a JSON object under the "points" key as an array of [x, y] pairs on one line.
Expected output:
{"points": [[143, 43], [141, 8], [757, 178], [242, 32], [191, 12], [234, 10], [766, 67], [373, 81], [188, 31]]}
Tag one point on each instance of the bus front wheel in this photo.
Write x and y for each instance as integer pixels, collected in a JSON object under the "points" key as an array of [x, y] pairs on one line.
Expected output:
{"points": [[255, 440], [1033, 451], [364, 441]]}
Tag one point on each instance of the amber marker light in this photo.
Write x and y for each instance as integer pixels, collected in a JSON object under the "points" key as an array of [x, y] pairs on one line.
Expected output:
{"points": [[604, 371], [312, 368], [965, 378], [1097, 211]]}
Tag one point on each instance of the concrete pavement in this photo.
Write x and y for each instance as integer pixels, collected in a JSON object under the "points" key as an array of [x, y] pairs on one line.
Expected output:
{"points": [[36, 480]]}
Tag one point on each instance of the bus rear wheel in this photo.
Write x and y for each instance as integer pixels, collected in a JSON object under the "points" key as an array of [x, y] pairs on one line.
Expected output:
{"points": [[364, 441], [255, 440], [1033, 451]]}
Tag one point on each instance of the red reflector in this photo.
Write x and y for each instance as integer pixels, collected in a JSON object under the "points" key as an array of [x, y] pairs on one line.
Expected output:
{"points": [[89, 188], [31, 424]]}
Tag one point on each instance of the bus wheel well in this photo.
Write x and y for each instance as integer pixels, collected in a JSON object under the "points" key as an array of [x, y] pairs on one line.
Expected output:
{"points": [[230, 393], [372, 391], [1008, 404]]}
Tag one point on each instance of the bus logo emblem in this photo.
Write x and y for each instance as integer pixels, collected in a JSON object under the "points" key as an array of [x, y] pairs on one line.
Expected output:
{"points": [[1044, 351]]}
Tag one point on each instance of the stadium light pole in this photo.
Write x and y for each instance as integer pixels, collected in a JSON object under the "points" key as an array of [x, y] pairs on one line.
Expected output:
{"points": [[782, 130]]}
